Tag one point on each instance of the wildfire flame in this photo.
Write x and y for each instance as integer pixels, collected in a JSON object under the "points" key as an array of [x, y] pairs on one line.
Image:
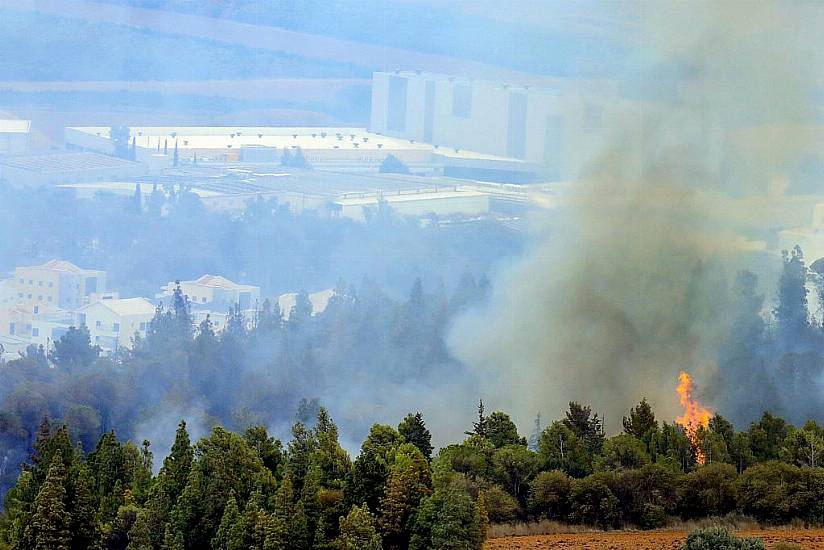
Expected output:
{"points": [[695, 414]]}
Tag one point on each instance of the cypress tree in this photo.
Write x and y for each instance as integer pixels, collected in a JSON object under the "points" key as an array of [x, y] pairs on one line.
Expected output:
{"points": [[230, 533], [51, 523], [414, 431]]}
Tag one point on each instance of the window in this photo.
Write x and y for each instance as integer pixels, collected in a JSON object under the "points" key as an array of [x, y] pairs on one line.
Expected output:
{"points": [[98, 324], [142, 326], [31, 282], [19, 294], [116, 327], [51, 284], [39, 283], [40, 297], [21, 281], [49, 299], [12, 329], [36, 310], [29, 296], [81, 318], [461, 100], [35, 332]]}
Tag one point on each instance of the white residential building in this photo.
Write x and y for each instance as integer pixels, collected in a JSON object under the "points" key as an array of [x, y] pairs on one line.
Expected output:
{"points": [[113, 323], [215, 293], [57, 284]]}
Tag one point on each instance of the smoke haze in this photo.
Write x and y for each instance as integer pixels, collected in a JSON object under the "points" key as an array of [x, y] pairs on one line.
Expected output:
{"points": [[625, 288]]}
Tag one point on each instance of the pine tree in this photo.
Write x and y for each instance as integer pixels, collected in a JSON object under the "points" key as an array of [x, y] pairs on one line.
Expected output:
{"points": [[479, 427], [83, 525], [51, 523], [230, 534], [414, 431], [357, 531], [641, 419], [409, 482]]}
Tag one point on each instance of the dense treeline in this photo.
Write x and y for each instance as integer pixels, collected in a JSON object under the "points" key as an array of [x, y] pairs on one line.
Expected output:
{"points": [[246, 491], [256, 371]]}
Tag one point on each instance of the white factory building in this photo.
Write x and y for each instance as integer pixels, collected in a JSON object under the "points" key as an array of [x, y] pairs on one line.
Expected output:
{"points": [[554, 127], [323, 148], [14, 136]]}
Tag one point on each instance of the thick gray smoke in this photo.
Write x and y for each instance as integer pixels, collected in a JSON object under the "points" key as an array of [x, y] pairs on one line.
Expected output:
{"points": [[623, 291]]}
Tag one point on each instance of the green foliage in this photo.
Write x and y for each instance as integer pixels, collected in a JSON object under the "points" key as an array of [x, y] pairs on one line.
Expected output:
{"points": [[447, 520], [593, 501], [641, 420], [357, 531], [501, 431], [622, 452], [549, 495], [718, 538], [501, 507], [708, 491], [50, 524], [559, 448], [414, 431], [763, 491]]}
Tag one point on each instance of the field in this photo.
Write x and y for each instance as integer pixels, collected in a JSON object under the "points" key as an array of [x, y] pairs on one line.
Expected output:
{"points": [[639, 540]]}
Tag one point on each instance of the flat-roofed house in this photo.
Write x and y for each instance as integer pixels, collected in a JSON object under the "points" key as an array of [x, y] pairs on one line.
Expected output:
{"points": [[57, 284]]}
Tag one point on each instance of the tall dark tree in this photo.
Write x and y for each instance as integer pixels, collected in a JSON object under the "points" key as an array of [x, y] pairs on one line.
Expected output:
{"points": [[641, 420], [586, 425], [414, 431], [51, 523], [792, 313]]}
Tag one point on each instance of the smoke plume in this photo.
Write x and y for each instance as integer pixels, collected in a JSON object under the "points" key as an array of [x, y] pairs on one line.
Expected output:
{"points": [[625, 288]]}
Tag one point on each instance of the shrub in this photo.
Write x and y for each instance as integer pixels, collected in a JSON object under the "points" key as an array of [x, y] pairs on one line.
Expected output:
{"points": [[593, 501], [500, 505], [762, 491], [549, 495], [653, 516], [718, 538], [708, 491], [787, 546]]}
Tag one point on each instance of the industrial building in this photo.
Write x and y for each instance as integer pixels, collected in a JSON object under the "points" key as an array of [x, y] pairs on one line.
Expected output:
{"points": [[65, 167], [335, 194], [334, 149], [553, 127], [14, 136]]}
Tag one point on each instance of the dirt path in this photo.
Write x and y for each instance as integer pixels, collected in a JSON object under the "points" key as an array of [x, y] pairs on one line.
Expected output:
{"points": [[659, 540]]}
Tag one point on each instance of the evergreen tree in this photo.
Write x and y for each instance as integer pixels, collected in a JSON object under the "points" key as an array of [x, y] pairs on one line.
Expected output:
{"points": [[84, 532], [230, 535], [137, 200], [641, 420], [409, 482], [357, 531], [792, 314], [585, 425], [479, 427], [414, 431], [51, 523]]}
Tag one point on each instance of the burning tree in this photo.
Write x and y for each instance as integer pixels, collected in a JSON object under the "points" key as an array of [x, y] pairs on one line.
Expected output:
{"points": [[696, 416]]}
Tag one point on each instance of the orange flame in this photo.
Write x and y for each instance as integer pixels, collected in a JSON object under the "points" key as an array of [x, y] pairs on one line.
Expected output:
{"points": [[695, 414]]}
